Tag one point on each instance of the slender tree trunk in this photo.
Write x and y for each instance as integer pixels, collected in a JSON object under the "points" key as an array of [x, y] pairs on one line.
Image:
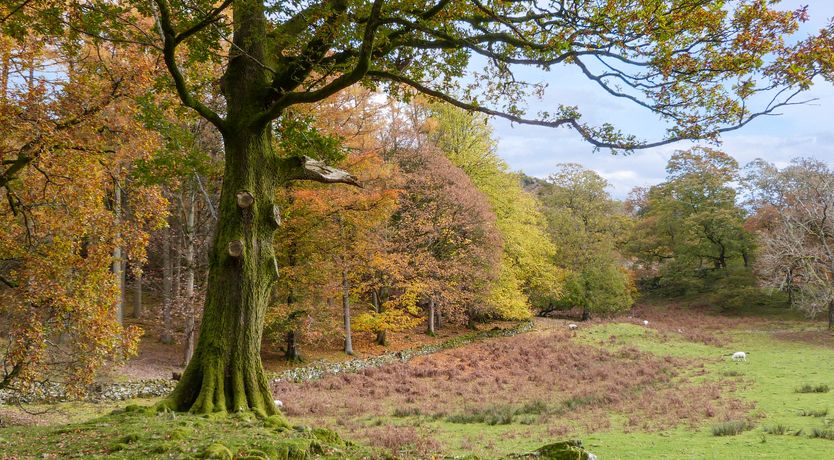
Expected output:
{"points": [[118, 259], [346, 312], [291, 352], [167, 336], [431, 317], [831, 315], [177, 263], [137, 296], [189, 280], [381, 336], [586, 314]]}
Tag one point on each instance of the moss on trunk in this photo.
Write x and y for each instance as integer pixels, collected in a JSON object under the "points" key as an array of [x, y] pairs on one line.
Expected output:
{"points": [[225, 373]]}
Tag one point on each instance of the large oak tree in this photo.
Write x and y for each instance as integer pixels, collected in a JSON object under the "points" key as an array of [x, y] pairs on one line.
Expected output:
{"points": [[696, 63]]}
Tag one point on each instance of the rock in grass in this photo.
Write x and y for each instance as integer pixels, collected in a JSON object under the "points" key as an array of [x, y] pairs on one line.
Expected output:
{"points": [[564, 450], [218, 451]]}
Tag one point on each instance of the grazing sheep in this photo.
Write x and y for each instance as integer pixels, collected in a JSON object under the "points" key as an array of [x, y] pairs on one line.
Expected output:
{"points": [[279, 403], [740, 356], [572, 326], [645, 322], [591, 456]]}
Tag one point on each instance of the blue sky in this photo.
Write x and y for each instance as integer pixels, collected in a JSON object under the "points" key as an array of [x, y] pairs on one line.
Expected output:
{"points": [[800, 131]]}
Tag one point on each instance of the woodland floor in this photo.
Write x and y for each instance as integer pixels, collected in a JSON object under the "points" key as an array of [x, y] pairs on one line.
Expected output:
{"points": [[627, 390]]}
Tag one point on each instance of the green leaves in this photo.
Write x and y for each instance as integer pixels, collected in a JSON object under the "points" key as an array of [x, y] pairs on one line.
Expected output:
{"points": [[298, 137]]}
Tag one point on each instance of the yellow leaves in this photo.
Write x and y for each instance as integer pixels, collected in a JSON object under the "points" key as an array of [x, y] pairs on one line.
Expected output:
{"points": [[58, 229], [394, 320]]}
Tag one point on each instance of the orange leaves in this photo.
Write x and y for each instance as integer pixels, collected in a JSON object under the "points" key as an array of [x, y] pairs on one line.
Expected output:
{"points": [[58, 229]]}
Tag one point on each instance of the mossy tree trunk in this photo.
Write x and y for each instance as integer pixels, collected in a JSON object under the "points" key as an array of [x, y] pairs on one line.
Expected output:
{"points": [[225, 372]]}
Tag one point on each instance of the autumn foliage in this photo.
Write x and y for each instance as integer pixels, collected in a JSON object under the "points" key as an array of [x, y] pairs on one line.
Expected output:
{"points": [[69, 140]]}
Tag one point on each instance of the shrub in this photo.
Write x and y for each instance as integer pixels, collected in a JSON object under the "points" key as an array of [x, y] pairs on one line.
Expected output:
{"points": [[407, 412], [808, 388], [533, 407], [776, 429], [500, 415], [824, 433], [813, 412], [732, 428]]}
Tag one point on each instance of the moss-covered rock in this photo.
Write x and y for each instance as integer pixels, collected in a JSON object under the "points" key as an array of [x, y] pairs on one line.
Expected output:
{"points": [[218, 451], [179, 433], [254, 455], [328, 437], [278, 422], [294, 449], [564, 450]]}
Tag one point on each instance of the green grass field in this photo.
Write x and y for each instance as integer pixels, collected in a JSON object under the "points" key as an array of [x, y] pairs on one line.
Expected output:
{"points": [[694, 402], [775, 369]]}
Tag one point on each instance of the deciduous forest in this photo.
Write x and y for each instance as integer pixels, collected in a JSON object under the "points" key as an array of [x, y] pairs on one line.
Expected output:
{"points": [[242, 229]]}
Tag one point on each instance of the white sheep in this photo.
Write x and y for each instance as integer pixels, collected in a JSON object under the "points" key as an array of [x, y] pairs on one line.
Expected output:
{"points": [[573, 326], [591, 456], [645, 322], [279, 403], [740, 356]]}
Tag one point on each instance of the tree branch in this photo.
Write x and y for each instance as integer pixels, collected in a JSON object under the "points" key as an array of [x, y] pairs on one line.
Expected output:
{"points": [[169, 37], [306, 168]]}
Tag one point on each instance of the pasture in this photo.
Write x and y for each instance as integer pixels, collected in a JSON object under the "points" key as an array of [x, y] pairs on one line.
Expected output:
{"points": [[668, 389]]}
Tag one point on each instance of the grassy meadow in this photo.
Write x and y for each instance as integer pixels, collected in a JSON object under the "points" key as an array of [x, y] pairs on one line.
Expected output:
{"points": [[666, 390]]}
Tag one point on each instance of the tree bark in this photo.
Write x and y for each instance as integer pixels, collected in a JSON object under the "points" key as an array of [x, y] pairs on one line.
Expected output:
{"points": [[189, 280], [831, 315], [137, 296], [291, 353], [430, 330], [226, 373], [118, 259], [167, 336], [586, 314], [381, 336], [346, 312]]}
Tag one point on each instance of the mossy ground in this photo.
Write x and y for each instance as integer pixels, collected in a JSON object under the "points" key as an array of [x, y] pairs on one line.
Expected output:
{"points": [[139, 432]]}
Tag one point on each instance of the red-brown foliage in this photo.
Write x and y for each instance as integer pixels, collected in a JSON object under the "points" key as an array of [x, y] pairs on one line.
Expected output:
{"points": [[578, 385]]}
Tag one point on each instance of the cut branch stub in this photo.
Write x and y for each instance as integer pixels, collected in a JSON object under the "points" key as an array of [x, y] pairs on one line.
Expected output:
{"points": [[276, 215], [244, 199], [235, 248], [306, 168]]}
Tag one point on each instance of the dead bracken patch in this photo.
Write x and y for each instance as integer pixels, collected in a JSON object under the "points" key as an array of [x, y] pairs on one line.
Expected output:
{"points": [[568, 384]]}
